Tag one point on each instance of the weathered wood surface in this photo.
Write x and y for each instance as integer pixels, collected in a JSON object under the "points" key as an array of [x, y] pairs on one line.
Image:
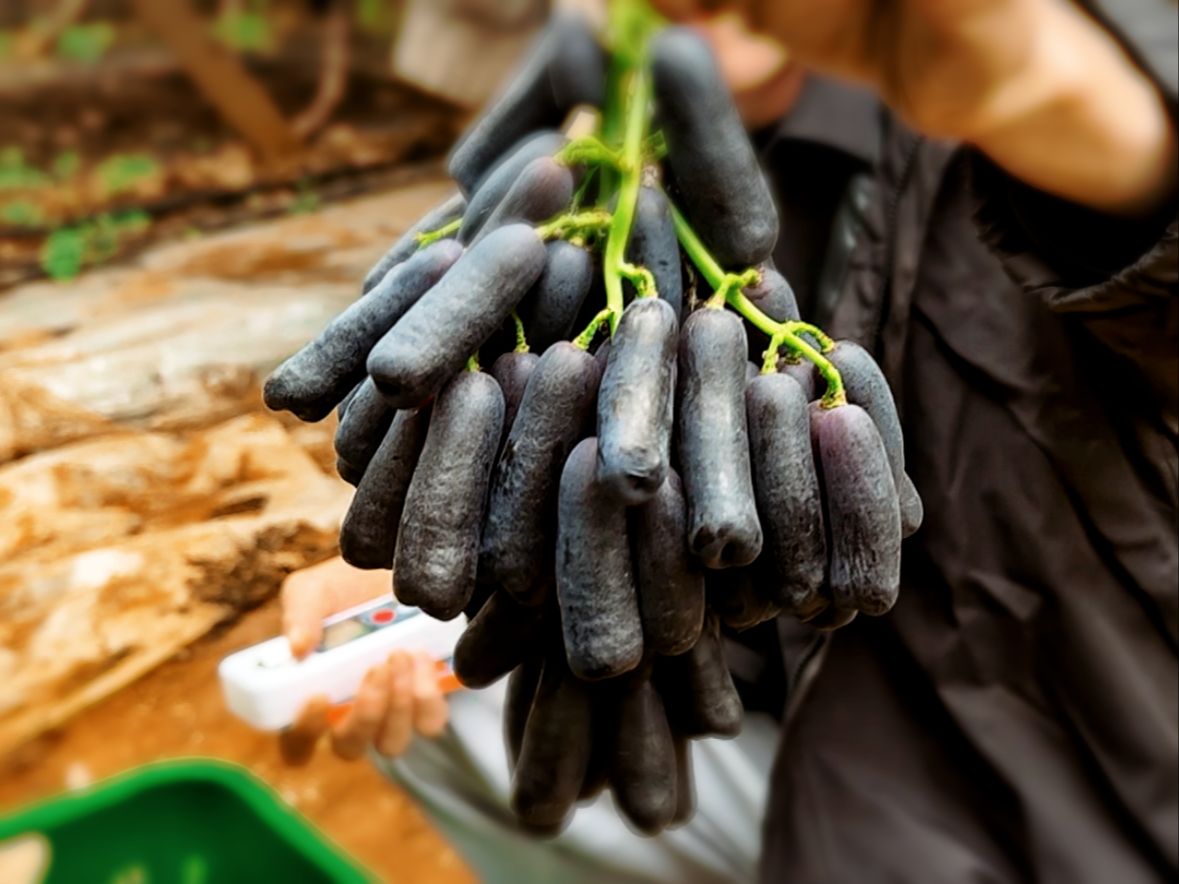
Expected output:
{"points": [[145, 496]]}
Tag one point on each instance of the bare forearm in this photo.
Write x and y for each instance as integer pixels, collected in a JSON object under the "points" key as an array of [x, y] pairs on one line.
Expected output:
{"points": [[1081, 121]]}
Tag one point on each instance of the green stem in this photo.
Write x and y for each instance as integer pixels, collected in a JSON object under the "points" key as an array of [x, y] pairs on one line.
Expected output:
{"points": [[571, 224], [587, 150], [586, 338], [637, 89], [582, 189], [781, 334], [427, 237], [696, 251], [641, 278], [473, 361], [521, 338]]}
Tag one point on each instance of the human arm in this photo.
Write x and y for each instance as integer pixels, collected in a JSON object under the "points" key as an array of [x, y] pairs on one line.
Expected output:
{"points": [[1039, 86]]}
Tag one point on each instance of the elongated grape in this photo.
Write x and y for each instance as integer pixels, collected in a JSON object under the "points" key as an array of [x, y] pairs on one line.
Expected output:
{"points": [[564, 68], [499, 638], [697, 689], [803, 373], [718, 182], [861, 499], [742, 597], [550, 310], [543, 190], [644, 772], [723, 529], [360, 431], [789, 502], [555, 750], [653, 245], [316, 378], [442, 214], [518, 699], [438, 539], [774, 297], [495, 186], [605, 728], [669, 579], [512, 371], [368, 534], [435, 337], [831, 618], [636, 400], [342, 408], [595, 581], [865, 386], [524, 486]]}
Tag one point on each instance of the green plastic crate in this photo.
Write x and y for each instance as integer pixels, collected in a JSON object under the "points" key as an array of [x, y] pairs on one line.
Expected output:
{"points": [[180, 822]]}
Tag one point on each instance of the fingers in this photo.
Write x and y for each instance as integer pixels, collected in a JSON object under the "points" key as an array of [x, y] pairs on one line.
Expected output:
{"points": [[397, 728], [353, 734], [297, 743], [430, 708], [311, 594]]}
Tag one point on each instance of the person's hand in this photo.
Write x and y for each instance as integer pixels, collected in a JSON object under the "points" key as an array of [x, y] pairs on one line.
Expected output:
{"points": [[396, 698], [1037, 84]]}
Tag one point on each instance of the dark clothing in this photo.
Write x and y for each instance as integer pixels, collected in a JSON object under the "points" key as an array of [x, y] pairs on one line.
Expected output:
{"points": [[1016, 716]]}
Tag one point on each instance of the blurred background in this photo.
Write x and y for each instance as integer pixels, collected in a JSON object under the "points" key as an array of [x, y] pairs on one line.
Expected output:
{"points": [[189, 190]]}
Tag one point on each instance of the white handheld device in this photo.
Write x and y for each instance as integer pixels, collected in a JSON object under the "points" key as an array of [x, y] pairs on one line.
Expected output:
{"points": [[266, 686]]}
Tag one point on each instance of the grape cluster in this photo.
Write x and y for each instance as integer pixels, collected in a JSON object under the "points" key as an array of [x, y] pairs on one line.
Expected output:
{"points": [[601, 511]]}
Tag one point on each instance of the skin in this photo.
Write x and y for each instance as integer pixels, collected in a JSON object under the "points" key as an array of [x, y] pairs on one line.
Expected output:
{"points": [[1037, 85], [397, 698]]}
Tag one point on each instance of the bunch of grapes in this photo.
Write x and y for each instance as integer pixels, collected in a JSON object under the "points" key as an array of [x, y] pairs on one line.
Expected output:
{"points": [[600, 510]]}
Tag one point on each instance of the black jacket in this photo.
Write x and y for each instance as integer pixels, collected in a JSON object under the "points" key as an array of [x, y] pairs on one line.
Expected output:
{"points": [[1016, 717]]}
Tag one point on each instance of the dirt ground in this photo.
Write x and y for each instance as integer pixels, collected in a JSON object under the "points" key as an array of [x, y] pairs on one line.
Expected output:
{"points": [[232, 303], [177, 710]]}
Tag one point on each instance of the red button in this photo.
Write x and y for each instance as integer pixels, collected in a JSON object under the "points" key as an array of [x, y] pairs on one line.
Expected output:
{"points": [[384, 615]]}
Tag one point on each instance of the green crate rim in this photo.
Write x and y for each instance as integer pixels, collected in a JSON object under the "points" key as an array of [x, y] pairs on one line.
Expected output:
{"points": [[285, 821]]}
